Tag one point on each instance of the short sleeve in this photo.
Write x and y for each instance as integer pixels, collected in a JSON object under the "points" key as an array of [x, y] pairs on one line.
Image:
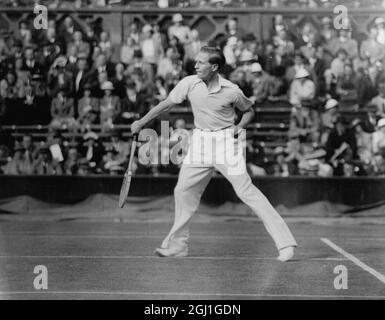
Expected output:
{"points": [[180, 91], [241, 101]]}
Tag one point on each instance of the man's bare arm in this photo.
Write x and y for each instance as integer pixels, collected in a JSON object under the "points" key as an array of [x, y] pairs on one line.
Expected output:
{"points": [[152, 114]]}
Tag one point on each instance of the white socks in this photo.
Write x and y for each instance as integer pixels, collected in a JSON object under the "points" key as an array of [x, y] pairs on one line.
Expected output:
{"points": [[286, 254]]}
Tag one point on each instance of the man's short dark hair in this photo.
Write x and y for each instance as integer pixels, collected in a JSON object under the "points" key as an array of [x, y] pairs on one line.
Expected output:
{"points": [[216, 56]]}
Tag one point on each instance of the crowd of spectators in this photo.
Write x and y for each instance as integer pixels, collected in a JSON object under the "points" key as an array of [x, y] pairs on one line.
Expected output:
{"points": [[76, 4], [72, 79]]}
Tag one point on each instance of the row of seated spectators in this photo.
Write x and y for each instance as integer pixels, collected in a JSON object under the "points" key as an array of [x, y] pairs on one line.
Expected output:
{"points": [[72, 78]]}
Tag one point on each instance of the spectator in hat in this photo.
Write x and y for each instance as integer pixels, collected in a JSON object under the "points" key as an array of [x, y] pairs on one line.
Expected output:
{"points": [[327, 31], [72, 57], [111, 163], [305, 123], [105, 43], [127, 51], [319, 64], [338, 63], [380, 25], [16, 165], [24, 34], [45, 165], [102, 64], [341, 145], [178, 30], [79, 45], [110, 106], [261, 83], [50, 37], [133, 32], [379, 139], [92, 152], [47, 55], [282, 42], [21, 74], [80, 75], [5, 50], [59, 78], [72, 164], [119, 80], [178, 46], [151, 46], [16, 51], [10, 87], [192, 47], [329, 117], [364, 142], [66, 31], [367, 85], [347, 83], [134, 104], [300, 63], [344, 41], [378, 102], [229, 52], [88, 108], [140, 64], [302, 88], [121, 147], [170, 64], [232, 29], [29, 154], [62, 111], [30, 62], [371, 48]]}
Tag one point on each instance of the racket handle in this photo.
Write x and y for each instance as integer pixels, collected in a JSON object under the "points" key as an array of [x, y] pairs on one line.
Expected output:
{"points": [[135, 137]]}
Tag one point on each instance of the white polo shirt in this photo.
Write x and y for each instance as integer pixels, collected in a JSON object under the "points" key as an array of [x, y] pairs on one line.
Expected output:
{"points": [[214, 109]]}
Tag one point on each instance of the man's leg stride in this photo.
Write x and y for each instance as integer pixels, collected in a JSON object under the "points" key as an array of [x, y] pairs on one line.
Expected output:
{"points": [[191, 184], [254, 198]]}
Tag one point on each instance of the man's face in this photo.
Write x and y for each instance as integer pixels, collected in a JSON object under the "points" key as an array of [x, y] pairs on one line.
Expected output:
{"points": [[27, 142], [381, 89], [29, 54], [203, 67], [82, 64]]}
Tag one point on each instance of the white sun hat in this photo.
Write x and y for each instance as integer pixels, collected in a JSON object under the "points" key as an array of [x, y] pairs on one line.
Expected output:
{"points": [[302, 73], [331, 104], [107, 86], [256, 67], [381, 123]]}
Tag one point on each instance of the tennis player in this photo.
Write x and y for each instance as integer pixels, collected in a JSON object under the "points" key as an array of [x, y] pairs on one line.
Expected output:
{"points": [[213, 100]]}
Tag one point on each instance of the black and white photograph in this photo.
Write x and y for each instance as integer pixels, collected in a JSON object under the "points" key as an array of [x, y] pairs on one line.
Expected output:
{"points": [[192, 154]]}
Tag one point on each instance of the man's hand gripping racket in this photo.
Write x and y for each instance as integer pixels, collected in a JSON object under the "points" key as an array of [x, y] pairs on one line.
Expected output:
{"points": [[125, 188]]}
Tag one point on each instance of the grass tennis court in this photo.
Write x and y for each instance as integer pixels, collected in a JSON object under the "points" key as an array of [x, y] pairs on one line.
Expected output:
{"points": [[232, 259]]}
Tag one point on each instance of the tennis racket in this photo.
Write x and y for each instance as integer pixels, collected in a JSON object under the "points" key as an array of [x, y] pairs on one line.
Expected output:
{"points": [[125, 188]]}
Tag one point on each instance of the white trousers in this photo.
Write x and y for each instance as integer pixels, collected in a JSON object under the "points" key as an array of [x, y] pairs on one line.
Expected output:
{"points": [[209, 150]]}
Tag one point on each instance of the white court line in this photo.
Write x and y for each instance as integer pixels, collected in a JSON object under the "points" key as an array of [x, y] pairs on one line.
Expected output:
{"points": [[141, 236], [192, 294], [155, 257], [356, 261]]}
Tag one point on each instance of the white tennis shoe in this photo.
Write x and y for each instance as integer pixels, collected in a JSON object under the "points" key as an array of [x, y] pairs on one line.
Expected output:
{"points": [[171, 252], [286, 254]]}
